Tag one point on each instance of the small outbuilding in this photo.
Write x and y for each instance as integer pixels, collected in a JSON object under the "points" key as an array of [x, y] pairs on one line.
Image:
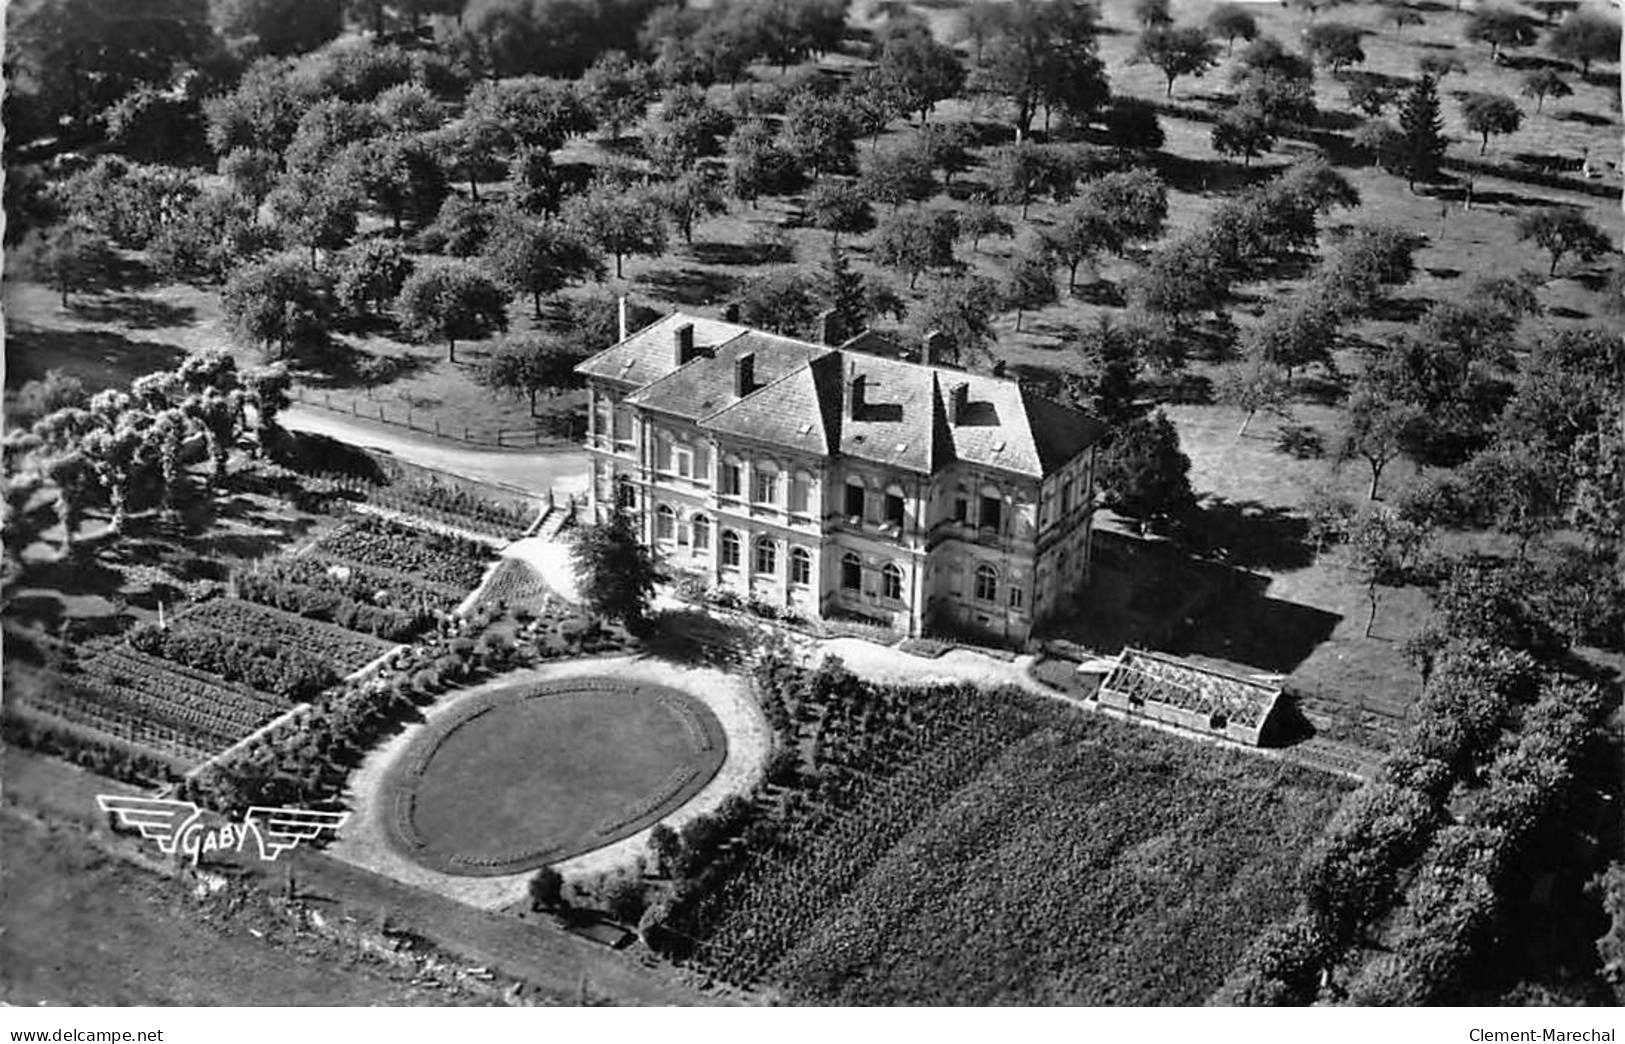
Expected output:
{"points": [[1179, 692]]}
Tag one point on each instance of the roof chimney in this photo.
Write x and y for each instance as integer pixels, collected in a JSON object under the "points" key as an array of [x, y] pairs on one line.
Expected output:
{"points": [[998, 368], [854, 400], [745, 374], [621, 314], [958, 402], [936, 348], [829, 327], [682, 343]]}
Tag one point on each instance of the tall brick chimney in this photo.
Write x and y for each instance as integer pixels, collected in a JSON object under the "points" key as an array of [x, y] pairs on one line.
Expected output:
{"points": [[682, 344], [745, 374], [958, 402], [854, 398]]}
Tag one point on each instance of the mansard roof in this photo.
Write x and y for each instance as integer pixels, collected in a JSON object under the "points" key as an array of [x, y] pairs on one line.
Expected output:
{"points": [[830, 401]]}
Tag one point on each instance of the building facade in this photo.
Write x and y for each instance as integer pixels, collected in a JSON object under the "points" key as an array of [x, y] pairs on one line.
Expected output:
{"points": [[839, 483]]}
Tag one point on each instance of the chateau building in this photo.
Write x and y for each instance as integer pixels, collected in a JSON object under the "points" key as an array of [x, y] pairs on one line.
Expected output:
{"points": [[840, 483]]}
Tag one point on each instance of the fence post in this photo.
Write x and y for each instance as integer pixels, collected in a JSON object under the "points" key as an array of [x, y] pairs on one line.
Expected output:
{"points": [[380, 411]]}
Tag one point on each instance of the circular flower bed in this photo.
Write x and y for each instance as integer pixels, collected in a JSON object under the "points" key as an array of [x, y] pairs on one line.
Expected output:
{"points": [[533, 774]]}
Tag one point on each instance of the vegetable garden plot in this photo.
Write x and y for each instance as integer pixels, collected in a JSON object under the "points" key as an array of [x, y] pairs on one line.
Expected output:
{"points": [[375, 542], [346, 650]]}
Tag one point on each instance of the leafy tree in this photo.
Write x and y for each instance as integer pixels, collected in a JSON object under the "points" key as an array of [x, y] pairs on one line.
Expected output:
{"points": [[618, 221], [126, 202], [1370, 257], [546, 890], [839, 207], [282, 303], [978, 22], [819, 132], [1021, 173], [1243, 132], [75, 481], [917, 240], [873, 102], [1438, 66], [616, 571], [1383, 549], [1500, 27], [1043, 53], [1545, 83], [370, 275], [1487, 114], [1110, 388], [1274, 82], [783, 301], [851, 299], [961, 308], [1181, 280], [757, 166], [1132, 205], [684, 128], [1252, 386], [898, 175], [1152, 13], [1586, 36], [1143, 473], [688, 198], [539, 257], [1378, 427], [1030, 282], [534, 112], [616, 91], [1232, 22], [527, 366], [1562, 231], [452, 300], [70, 60], [1370, 93], [1295, 332], [252, 172], [1421, 128], [213, 234], [316, 212], [538, 185], [278, 27], [1177, 51], [325, 129], [946, 147], [473, 147], [980, 219], [401, 175], [70, 258], [1081, 230], [922, 71], [1335, 44], [57, 390], [410, 108], [1521, 490], [1131, 123], [1383, 143]]}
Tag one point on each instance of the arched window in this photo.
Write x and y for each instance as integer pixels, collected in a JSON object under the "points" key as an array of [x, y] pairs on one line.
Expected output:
{"points": [[851, 571], [665, 522], [702, 533], [891, 582], [730, 548], [987, 583], [800, 483], [767, 555], [800, 566]]}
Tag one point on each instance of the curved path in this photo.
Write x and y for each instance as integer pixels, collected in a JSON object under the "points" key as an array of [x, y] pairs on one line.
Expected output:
{"points": [[537, 470], [363, 841]]}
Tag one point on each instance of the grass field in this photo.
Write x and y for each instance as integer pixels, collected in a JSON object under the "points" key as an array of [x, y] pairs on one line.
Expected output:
{"points": [[530, 776]]}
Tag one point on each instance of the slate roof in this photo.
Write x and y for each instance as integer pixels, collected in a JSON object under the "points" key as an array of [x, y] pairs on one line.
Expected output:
{"points": [[913, 416]]}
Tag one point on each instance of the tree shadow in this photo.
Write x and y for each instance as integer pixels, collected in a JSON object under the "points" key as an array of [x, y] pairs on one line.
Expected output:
{"points": [[1400, 309], [135, 312], [1590, 119], [1246, 626], [1444, 273], [1567, 313], [1248, 534], [738, 253], [691, 286], [1185, 174], [99, 358]]}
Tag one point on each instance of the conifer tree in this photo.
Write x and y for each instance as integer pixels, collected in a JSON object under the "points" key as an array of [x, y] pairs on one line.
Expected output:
{"points": [[1422, 128], [848, 296]]}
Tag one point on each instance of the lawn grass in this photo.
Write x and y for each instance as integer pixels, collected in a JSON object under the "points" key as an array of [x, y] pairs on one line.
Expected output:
{"points": [[532, 775]]}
